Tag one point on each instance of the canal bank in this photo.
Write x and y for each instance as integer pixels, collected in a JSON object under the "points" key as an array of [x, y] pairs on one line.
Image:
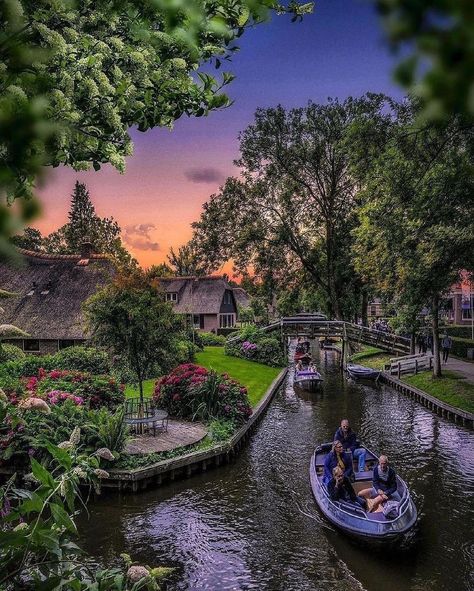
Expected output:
{"points": [[184, 466], [253, 523]]}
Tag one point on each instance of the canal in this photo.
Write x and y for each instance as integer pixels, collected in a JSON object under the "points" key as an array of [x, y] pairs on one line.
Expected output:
{"points": [[253, 524]]}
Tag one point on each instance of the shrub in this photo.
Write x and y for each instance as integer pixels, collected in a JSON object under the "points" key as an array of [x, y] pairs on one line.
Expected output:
{"points": [[10, 352], [256, 346], [191, 392], [88, 359], [460, 346], [24, 433], [58, 385], [209, 339]]}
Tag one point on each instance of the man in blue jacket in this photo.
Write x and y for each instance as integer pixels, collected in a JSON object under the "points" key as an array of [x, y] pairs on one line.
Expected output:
{"points": [[384, 485], [350, 444]]}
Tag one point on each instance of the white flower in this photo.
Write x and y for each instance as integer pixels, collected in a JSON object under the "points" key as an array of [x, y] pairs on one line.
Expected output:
{"points": [[105, 454], [65, 445], [21, 526], [136, 573], [79, 472], [101, 473], [75, 436], [34, 404]]}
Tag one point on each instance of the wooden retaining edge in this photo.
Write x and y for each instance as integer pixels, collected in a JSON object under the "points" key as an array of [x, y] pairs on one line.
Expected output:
{"points": [[438, 406], [193, 462]]}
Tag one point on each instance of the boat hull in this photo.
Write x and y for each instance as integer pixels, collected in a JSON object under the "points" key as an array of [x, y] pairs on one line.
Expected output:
{"points": [[353, 520], [308, 384], [363, 373]]}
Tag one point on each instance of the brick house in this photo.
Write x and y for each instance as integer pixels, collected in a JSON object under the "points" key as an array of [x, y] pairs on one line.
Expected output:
{"points": [[210, 302], [51, 289]]}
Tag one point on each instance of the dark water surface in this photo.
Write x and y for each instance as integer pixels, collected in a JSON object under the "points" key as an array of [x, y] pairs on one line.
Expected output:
{"points": [[254, 525]]}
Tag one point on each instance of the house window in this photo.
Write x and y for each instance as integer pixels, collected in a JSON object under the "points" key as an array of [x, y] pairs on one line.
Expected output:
{"points": [[227, 297], [172, 297], [226, 320], [373, 311], [196, 321], [65, 343], [467, 312], [31, 346]]}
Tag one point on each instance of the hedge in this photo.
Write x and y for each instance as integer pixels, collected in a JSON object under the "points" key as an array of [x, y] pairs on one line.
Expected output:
{"points": [[460, 346]]}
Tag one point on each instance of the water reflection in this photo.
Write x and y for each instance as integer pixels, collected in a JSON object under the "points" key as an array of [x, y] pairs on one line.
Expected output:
{"points": [[254, 524]]}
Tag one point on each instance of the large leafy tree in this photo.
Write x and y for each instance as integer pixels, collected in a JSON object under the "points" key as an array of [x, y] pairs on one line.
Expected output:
{"points": [[75, 76], [292, 211], [84, 223], [131, 318], [416, 231], [187, 261]]}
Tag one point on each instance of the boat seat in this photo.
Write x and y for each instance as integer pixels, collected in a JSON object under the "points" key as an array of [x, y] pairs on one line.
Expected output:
{"points": [[366, 475]]}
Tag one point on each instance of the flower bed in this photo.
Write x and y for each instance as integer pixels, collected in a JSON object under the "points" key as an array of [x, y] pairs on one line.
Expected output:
{"points": [[193, 392], [256, 347], [58, 385]]}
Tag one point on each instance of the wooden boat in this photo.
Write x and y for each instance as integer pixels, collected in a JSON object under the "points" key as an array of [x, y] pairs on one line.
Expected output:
{"points": [[308, 380], [302, 352], [353, 519], [361, 372]]}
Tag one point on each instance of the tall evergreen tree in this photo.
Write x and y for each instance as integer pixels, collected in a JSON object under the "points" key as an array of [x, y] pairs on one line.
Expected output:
{"points": [[84, 223]]}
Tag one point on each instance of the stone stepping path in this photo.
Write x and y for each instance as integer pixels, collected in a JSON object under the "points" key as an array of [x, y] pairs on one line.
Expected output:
{"points": [[179, 434]]}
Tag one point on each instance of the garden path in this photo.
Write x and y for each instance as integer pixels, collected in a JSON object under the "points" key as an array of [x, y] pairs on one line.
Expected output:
{"points": [[179, 434]]}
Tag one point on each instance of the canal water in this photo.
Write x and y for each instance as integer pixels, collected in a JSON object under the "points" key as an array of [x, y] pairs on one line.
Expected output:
{"points": [[253, 524]]}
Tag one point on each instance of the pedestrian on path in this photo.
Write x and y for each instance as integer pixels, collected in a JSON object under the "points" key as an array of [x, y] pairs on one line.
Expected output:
{"points": [[446, 345]]}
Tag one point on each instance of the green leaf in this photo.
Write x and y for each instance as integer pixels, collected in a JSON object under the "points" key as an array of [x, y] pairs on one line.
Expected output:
{"points": [[32, 505], [61, 517], [41, 474], [60, 455]]}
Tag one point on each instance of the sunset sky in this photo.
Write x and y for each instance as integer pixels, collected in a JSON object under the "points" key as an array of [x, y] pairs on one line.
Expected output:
{"points": [[336, 52]]}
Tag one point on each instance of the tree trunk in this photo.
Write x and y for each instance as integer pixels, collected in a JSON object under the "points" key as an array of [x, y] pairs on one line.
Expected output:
{"points": [[140, 385], [413, 342], [365, 301], [333, 301], [435, 327]]}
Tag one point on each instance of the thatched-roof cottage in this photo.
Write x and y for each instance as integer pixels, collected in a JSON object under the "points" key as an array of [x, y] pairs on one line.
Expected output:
{"points": [[241, 297], [50, 292], [209, 301]]}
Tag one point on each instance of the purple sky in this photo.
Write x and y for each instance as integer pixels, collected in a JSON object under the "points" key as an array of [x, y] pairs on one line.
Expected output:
{"points": [[336, 52]]}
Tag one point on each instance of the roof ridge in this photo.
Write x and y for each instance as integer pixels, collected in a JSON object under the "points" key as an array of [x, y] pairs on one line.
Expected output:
{"points": [[188, 277], [60, 257]]}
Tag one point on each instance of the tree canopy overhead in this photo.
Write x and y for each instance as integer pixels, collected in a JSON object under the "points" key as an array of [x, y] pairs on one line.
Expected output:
{"points": [[291, 213]]}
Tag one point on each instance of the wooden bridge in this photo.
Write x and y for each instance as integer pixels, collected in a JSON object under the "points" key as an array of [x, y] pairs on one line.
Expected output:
{"points": [[315, 326]]}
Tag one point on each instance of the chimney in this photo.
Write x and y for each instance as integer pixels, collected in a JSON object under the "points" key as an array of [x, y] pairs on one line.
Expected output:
{"points": [[86, 249]]}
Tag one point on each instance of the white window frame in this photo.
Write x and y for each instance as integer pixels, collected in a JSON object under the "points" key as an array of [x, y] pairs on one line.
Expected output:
{"points": [[227, 320], [172, 296]]}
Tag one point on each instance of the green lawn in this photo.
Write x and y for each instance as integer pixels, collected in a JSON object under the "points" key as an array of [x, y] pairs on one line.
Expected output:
{"points": [[451, 388], [133, 392], [254, 376], [371, 357]]}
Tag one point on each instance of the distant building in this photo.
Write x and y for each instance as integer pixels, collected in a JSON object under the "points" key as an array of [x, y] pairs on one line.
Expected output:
{"points": [[210, 303], [51, 289], [459, 303]]}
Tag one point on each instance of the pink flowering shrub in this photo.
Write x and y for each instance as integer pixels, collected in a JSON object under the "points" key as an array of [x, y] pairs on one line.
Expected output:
{"points": [[81, 388], [193, 392]]}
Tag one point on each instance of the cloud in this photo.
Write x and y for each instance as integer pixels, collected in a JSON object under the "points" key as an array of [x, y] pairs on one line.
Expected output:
{"points": [[138, 236], [204, 175]]}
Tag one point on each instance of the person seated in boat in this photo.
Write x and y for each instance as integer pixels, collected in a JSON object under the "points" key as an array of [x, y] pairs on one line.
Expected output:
{"points": [[299, 366], [348, 438], [312, 368], [337, 457], [384, 485], [340, 489]]}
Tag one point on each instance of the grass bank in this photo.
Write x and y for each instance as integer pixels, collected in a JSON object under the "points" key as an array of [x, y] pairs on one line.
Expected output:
{"points": [[451, 388], [371, 357], [256, 377]]}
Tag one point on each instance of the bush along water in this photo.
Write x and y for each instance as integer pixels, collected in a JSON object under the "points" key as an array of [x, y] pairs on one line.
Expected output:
{"points": [[193, 392], [254, 345], [38, 534]]}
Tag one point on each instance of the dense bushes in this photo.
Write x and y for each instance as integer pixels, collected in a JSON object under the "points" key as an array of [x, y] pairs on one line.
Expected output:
{"points": [[209, 339], [252, 344], [59, 385], [10, 353], [86, 359], [193, 392], [26, 430], [457, 330], [460, 347]]}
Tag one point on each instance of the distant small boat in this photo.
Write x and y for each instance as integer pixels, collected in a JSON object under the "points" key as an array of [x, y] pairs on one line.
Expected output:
{"points": [[308, 380], [353, 519], [359, 371]]}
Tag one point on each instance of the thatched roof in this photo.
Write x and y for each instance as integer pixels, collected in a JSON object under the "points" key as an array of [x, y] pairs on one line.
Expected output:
{"points": [[197, 295], [241, 297], [51, 290]]}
